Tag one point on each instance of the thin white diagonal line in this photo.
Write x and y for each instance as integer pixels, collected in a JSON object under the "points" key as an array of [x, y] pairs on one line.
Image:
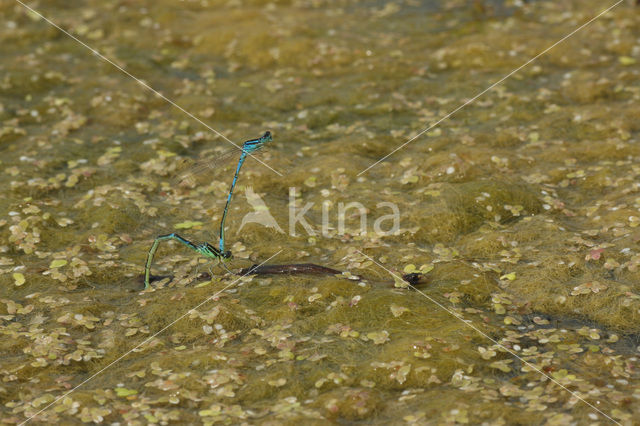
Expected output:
{"points": [[469, 324], [491, 87], [147, 340], [141, 82]]}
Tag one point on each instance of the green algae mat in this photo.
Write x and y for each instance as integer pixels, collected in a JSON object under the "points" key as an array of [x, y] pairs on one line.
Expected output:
{"points": [[517, 216]]}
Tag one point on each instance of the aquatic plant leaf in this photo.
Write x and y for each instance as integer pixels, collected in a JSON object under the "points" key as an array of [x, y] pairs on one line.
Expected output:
{"points": [[398, 310], [124, 392], [18, 279], [590, 287], [187, 224], [57, 263], [379, 337]]}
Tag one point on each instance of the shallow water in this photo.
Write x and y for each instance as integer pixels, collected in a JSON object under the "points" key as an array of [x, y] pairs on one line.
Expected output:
{"points": [[520, 212]]}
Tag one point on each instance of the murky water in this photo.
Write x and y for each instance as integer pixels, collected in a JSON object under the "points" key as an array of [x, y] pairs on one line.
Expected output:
{"points": [[519, 212]]}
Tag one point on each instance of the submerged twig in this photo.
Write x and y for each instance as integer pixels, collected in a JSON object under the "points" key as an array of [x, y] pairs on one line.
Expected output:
{"points": [[293, 268], [296, 269]]}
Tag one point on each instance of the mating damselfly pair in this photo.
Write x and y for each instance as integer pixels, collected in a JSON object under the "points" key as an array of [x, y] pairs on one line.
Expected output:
{"points": [[206, 249]]}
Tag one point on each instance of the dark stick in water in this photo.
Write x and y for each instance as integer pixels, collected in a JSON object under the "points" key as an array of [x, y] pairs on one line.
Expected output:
{"points": [[309, 269], [293, 268], [296, 269]]}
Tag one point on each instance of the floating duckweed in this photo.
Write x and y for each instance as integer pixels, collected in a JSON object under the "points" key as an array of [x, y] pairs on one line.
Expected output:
{"points": [[187, 224], [627, 60], [522, 208], [124, 392], [18, 279], [510, 276], [58, 263]]}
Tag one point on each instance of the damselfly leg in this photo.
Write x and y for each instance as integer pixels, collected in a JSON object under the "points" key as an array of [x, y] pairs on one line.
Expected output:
{"points": [[204, 249]]}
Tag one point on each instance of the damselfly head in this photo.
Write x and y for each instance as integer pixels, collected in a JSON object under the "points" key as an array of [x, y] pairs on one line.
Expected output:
{"points": [[267, 136]]}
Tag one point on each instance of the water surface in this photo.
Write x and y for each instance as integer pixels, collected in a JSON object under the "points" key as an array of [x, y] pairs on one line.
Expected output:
{"points": [[520, 212]]}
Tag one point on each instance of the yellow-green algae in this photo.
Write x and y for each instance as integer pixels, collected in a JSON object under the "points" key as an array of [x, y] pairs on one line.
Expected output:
{"points": [[526, 203]]}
